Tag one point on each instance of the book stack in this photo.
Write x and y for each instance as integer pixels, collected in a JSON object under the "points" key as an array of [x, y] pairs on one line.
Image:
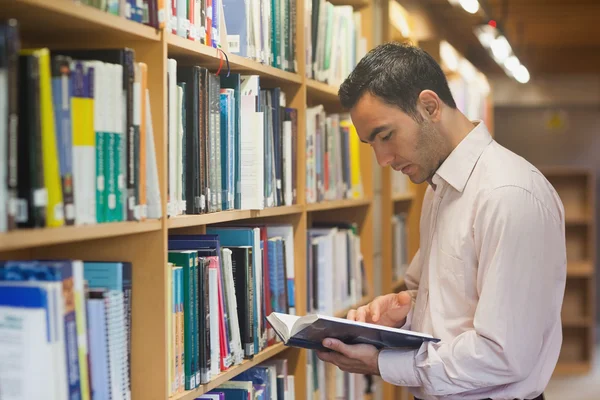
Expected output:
{"points": [[77, 137], [333, 170], [231, 143], [335, 270], [400, 245], [67, 322], [222, 286]]}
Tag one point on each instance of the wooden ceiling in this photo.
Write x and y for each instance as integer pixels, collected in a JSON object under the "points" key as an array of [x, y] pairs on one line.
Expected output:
{"points": [[548, 36]]}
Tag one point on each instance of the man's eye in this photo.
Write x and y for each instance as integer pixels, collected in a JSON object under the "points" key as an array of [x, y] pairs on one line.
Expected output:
{"points": [[387, 137]]}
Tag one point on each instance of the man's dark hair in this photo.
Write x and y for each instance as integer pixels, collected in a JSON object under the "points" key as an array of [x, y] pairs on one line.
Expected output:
{"points": [[397, 74]]}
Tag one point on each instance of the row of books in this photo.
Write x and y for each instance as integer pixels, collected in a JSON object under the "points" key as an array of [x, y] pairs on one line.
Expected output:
{"points": [[326, 381], [232, 144], [270, 380], [333, 166], [399, 246], [334, 41], [76, 136], [222, 286], [262, 30], [335, 273], [148, 12], [68, 324]]}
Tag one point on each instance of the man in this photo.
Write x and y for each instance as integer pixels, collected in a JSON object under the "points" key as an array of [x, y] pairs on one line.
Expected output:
{"points": [[489, 276]]}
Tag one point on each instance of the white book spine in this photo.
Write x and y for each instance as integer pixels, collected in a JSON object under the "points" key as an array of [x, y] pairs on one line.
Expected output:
{"points": [[152, 188], [172, 118]]}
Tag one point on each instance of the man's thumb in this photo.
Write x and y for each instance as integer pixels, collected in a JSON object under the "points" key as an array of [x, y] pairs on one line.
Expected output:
{"points": [[404, 299]]}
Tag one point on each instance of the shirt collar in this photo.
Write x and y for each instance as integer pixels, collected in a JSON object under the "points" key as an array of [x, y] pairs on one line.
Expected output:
{"points": [[457, 168]]}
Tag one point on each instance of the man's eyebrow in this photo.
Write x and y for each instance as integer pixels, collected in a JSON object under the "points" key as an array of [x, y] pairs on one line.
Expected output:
{"points": [[375, 132]]}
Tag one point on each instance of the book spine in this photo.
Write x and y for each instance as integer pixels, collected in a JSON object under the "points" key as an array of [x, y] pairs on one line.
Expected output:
{"points": [[12, 57], [61, 96], [131, 137]]}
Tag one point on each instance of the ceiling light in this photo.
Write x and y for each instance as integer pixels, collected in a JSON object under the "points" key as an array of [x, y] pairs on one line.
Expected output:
{"points": [[501, 49], [512, 63], [449, 55], [470, 6], [521, 74]]}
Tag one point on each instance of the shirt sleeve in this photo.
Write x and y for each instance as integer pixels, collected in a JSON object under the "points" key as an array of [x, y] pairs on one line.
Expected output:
{"points": [[522, 269]]}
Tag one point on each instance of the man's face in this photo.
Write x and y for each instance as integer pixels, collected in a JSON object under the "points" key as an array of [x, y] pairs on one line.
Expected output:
{"points": [[416, 149]]}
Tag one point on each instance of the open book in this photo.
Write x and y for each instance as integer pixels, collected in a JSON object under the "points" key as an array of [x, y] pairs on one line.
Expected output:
{"points": [[309, 332]]}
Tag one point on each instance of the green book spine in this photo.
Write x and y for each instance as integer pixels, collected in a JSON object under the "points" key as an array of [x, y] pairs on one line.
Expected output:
{"points": [[100, 179], [186, 260], [119, 153], [110, 176]]}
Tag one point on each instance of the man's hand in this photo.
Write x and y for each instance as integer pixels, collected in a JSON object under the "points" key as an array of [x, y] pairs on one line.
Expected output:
{"points": [[389, 310], [356, 359]]}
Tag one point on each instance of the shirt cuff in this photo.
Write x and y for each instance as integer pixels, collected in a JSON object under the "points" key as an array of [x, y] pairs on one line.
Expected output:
{"points": [[398, 367]]}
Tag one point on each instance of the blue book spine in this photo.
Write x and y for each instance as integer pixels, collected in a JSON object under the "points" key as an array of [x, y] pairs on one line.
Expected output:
{"points": [[61, 98], [231, 154], [98, 349], [225, 172], [236, 21]]}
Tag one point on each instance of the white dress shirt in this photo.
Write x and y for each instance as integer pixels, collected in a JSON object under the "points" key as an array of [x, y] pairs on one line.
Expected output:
{"points": [[488, 279]]}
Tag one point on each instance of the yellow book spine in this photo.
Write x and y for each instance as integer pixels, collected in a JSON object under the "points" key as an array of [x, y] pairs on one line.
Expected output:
{"points": [[356, 188], [54, 206]]}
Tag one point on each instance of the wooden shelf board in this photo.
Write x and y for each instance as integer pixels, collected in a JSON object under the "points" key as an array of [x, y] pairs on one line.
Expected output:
{"points": [[231, 373], [65, 18], [29, 238], [184, 221], [322, 93], [578, 219], [572, 368], [356, 4], [335, 204], [403, 197], [209, 58], [577, 322], [342, 313], [580, 269]]}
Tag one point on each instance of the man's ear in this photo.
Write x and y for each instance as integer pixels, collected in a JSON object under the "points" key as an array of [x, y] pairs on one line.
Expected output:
{"points": [[431, 105]]}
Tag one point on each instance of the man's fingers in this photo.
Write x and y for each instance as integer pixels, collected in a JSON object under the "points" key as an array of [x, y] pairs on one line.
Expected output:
{"points": [[351, 315], [361, 314], [375, 309]]}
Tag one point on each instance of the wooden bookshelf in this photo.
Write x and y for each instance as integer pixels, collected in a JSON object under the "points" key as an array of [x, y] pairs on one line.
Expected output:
{"points": [[576, 188], [187, 51], [60, 18], [26, 238], [59, 23], [337, 204]]}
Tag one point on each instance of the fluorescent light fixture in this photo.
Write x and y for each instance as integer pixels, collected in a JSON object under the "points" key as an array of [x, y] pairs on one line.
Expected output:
{"points": [[486, 35], [470, 6], [449, 55], [521, 74], [511, 64], [501, 49]]}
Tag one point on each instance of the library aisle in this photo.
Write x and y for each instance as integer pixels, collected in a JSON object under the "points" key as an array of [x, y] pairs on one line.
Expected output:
{"points": [[173, 172]]}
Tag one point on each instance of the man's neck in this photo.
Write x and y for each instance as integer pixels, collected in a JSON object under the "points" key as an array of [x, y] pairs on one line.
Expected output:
{"points": [[457, 128]]}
